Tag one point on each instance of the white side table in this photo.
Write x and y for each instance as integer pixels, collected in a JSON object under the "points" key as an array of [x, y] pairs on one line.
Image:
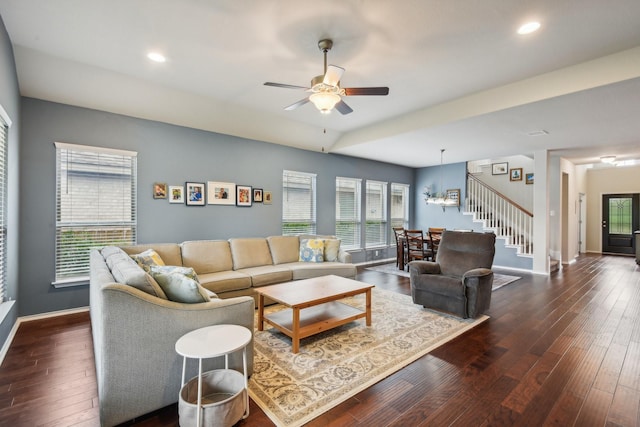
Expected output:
{"points": [[214, 341]]}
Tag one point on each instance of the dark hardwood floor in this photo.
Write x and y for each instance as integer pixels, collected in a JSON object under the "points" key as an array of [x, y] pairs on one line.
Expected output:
{"points": [[561, 350]]}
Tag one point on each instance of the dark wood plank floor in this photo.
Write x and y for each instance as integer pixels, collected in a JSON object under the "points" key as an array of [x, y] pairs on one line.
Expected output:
{"points": [[561, 350]]}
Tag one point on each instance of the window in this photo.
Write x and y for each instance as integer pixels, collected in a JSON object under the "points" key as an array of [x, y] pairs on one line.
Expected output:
{"points": [[4, 142], [348, 201], [399, 205], [376, 214], [298, 203], [95, 205]]}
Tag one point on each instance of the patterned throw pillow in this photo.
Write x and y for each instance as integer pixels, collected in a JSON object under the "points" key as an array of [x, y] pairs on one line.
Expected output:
{"points": [[311, 250], [180, 288], [147, 258], [331, 249], [169, 269]]}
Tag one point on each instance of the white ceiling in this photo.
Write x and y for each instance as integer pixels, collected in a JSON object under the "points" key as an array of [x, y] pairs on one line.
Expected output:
{"points": [[460, 77]]}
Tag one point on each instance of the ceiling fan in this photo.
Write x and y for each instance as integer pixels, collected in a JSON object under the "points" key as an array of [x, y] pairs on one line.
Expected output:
{"points": [[325, 89]]}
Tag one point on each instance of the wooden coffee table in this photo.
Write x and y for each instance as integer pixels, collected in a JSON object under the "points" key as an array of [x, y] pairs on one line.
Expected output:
{"points": [[313, 306]]}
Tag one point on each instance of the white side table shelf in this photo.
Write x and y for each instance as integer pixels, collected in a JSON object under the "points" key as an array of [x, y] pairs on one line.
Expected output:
{"points": [[214, 341]]}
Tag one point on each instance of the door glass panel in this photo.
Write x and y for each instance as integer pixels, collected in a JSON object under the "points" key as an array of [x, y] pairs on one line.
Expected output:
{"points": [[620, 216]]}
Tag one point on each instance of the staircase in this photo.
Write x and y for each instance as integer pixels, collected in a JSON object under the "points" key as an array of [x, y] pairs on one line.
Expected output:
{"points": [[499, 214]]}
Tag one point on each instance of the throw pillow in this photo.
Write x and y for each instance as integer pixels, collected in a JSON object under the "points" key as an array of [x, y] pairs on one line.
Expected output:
{"points": [[331, 249], [311, 250], [180, 288], [169, 269], [147, 258]]}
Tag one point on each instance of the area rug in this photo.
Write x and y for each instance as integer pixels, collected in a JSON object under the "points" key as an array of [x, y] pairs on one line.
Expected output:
{"points": [[332, 366], [499, 280]]}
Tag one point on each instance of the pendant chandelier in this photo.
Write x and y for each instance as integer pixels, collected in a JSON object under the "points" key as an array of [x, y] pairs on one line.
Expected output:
{"points": [[440, 198]]}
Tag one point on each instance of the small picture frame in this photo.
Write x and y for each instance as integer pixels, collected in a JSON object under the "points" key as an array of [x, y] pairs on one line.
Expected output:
{"points": [[515, 174], [243, 195], [195, 193], [454, 194], [528, 178], [221, 193], [500, 168], [266, 197], [176, 194], [257, 195], [159, 190]]}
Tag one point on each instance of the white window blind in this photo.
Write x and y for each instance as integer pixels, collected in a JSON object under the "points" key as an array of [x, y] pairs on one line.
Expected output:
{"points": [[96, 205], [4, 142], [376, 214], [348, 202], [298, 203], [399, 205]]}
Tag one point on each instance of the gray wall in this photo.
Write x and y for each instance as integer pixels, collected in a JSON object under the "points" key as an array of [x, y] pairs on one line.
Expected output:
{"points": [[170, 154], [10, 101]]}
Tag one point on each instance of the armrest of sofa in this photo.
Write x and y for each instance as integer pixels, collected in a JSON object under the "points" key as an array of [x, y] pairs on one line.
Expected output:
{"points": [[344, 257]]}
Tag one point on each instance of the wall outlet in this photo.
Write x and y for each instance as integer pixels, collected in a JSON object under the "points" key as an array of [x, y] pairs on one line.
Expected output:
{"points": [[376, 253]]}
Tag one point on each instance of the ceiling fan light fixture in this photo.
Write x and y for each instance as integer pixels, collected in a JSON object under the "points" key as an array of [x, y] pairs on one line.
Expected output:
{"points": [[324, 101]]}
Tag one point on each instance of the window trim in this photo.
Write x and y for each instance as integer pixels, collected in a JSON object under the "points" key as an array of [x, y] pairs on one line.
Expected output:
{"points": [[358, 207]]}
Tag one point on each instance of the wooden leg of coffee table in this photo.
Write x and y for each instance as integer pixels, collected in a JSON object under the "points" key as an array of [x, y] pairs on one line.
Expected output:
{"points": [[260, 312], [295, 339], [368, 307]]}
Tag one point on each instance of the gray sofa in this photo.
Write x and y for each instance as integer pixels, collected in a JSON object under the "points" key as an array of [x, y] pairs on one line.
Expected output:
{"points": [[135, 327]]}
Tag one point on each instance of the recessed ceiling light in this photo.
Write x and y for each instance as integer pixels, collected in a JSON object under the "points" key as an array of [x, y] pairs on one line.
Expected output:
{"points": [[156, 57], [529, 28]]}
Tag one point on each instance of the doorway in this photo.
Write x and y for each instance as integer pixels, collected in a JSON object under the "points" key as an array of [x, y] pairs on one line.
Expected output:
{"points": [[620, 218]]}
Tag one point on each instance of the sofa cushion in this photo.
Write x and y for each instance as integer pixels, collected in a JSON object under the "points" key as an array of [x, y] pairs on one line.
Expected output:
{"points": [[207, 256], [267, 274], [250, 252], [126, 271], [331, 249], [284, 248], [307, 270], [147, 259], [225, 281], [180, 288], [169, 252], [311, 250]]}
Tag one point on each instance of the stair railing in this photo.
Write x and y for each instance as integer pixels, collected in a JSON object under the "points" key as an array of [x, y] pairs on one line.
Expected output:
{"points": [[501, 214]]}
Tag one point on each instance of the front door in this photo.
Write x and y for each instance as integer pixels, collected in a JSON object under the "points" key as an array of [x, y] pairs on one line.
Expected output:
{"points": [[620, 218]]}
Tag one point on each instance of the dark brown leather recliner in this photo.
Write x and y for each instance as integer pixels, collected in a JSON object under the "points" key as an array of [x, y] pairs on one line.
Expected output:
{"points": [[460, 279]]}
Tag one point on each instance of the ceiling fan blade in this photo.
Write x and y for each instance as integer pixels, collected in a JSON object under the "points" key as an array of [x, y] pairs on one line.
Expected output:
{"points": [[333, 75], [350, 91], [286, 86], [297, 104], [343, 108]]}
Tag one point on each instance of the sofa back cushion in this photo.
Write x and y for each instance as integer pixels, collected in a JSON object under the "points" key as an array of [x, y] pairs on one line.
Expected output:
{"points": [[284, 249], [126, 271], [250, 252], [207, 256], [169, 252]]}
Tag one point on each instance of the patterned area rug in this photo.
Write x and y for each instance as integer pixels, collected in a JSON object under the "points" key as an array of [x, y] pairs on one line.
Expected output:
{"points": [[332, 366], [499, 280]]}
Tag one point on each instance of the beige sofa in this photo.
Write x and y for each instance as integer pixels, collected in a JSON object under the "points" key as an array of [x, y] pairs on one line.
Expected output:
{"points": [[135, 326]]}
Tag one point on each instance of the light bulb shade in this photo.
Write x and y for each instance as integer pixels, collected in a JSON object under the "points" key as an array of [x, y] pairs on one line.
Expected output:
{"points": [[324, 101]]}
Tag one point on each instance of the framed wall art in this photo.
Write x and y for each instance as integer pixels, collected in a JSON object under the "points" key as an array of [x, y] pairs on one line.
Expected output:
{"points": [[221, 193], [528, 178], [266, 197], [515, 174], [499, 168], [454, 195], [243, 195], [257, 195], [159, 190], [195, 193], [176, 194]]}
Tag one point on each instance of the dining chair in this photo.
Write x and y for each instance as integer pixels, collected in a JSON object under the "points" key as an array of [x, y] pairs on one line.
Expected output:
{"points": [[399, 233], [417, 247], [435, 234]]}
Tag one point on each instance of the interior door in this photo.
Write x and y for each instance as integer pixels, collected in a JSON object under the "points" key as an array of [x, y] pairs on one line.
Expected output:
{"points": [[620, 218]]}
